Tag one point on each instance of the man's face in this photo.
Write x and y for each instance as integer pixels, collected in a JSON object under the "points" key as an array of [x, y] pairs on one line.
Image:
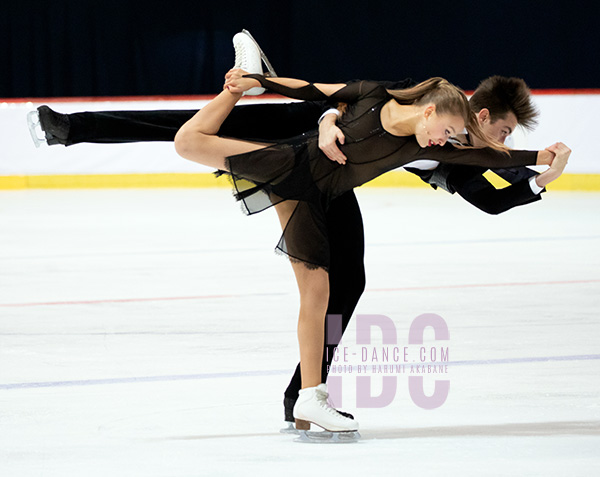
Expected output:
{"points": [[499, 129]]}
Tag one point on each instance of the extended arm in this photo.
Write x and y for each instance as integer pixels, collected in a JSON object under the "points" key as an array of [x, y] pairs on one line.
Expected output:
{"points": [[472, 186], [486, 157], [298, 89], [237, 81], [470, 183]]}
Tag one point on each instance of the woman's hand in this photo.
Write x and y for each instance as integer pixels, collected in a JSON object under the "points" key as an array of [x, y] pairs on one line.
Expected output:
{"points": [[544, 158], [329, 134], [236, 83]]}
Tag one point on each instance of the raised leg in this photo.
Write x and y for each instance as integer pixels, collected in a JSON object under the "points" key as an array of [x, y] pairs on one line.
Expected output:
{"points": [[106, 127], [253, 122], [197, 140]]}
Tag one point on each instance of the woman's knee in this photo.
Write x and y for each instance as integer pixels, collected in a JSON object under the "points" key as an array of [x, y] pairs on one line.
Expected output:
{"points": [[182, 142], [189, 143], [315, 293]]}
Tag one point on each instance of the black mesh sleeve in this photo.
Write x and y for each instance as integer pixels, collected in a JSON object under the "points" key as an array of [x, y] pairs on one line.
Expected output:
{"points": [[350, 93], [486, 156], [306, 93]]}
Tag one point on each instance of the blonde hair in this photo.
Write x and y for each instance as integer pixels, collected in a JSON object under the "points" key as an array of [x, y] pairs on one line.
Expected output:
{"points": [[448, 99]]}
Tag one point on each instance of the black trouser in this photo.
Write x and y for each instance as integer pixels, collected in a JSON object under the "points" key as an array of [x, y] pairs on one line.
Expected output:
{"points": [[261, 122], [252, 122]]}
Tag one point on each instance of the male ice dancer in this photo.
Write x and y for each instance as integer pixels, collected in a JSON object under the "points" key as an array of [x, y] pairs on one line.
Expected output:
{"points": [[500, 103]]}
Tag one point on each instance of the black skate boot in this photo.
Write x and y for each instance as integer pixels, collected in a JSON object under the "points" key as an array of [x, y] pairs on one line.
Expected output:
{"points": [[55, 125]]}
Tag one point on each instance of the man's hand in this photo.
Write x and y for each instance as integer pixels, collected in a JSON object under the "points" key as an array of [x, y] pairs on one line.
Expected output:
{"points": [[561, 155], [329, 134], [561, 158]]}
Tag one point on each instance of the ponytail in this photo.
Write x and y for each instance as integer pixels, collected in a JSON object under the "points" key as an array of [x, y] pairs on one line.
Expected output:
{"points": [[415, 94], [448, 99]]}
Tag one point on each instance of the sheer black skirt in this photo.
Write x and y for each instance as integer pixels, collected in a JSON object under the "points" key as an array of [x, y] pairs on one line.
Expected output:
{"points": [[268, 176]]}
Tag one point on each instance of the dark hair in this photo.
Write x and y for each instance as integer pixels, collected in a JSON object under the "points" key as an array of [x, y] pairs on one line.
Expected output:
{"points": [[501, 95], [448, 99]]}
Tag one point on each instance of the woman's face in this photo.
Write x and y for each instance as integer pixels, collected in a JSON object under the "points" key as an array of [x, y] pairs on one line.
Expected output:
{"points": [[435, 129]]}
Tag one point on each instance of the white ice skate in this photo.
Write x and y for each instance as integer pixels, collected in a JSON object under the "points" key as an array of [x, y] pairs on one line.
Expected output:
{"points": [[249, 57], [312, 407], [270, 71], [35, 128]]}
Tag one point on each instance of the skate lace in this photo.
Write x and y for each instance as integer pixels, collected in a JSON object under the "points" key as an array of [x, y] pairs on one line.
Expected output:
{"points": [[240, 55], [322, 399]]}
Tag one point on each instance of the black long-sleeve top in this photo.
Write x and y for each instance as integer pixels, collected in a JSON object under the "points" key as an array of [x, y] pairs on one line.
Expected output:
{"points": [[296, 169]]}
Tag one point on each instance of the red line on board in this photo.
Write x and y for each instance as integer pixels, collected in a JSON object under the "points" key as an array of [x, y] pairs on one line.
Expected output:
{"points": [[566, 91], [99, 99], [208, 97]]}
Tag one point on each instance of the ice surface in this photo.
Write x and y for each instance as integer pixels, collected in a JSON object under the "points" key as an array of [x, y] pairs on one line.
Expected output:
{"points": [[152, 333]]}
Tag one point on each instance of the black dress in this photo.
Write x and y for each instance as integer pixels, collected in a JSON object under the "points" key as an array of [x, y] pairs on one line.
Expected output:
{"points": [[296, 169]]}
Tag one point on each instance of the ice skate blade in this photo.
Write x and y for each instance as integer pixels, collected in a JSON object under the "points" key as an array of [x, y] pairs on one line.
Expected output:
{"points": [[263, 57], [33, 121], [290, 429], [326, 437]]}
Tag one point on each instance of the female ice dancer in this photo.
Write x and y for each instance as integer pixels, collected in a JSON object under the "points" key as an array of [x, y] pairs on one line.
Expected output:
{"points": [[383, 130]]}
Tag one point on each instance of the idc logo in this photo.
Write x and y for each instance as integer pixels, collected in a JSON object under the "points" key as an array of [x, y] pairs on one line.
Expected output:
{"points": [[390, 360]]}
